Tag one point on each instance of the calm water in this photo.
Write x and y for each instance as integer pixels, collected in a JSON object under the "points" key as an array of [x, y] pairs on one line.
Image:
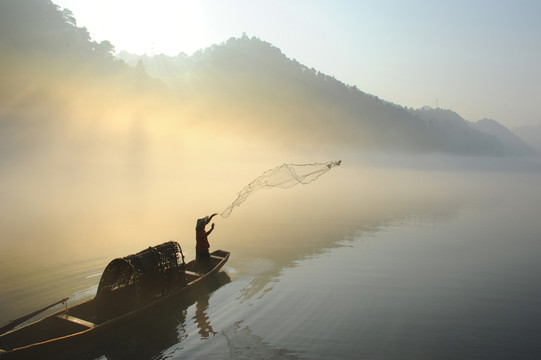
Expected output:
{"points": [[367, 263]]}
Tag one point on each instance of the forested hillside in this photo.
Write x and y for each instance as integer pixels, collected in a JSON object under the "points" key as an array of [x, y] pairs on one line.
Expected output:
{"points": [[61, 89]]}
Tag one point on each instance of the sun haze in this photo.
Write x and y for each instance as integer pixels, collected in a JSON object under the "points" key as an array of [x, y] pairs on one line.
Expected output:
{"points": [[149, 27], [479, 59]]}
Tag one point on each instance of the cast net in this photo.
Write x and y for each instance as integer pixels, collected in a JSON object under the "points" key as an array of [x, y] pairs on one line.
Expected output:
{"points": [[284, 176]]}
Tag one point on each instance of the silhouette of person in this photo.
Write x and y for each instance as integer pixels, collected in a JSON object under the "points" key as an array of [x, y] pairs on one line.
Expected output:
{"points": [[201, 237], [202, 319]]}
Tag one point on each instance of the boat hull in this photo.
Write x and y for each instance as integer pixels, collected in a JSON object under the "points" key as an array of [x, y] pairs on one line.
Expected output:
{"points": [[70, 335]]}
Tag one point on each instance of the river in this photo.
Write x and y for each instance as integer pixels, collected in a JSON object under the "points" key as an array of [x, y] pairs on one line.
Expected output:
{"points": [[369, 262]]}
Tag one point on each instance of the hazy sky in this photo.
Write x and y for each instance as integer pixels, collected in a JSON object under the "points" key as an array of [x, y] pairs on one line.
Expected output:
{"points": [[479, 58]]}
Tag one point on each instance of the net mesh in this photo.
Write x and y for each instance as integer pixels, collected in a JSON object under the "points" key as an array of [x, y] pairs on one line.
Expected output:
{"points": [[284, 176], [136, 279]]}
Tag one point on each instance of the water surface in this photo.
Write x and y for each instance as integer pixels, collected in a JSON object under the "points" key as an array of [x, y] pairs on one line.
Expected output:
{"points": [[369, 262]]}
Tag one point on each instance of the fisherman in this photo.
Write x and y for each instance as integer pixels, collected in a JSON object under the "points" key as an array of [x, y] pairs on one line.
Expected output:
{"points": [[201, 237]]}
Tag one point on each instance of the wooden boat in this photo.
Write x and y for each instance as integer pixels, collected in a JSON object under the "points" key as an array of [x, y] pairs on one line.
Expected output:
{"points": [[129, 287]]}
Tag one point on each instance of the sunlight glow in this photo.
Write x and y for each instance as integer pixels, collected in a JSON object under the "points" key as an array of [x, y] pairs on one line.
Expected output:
{"points": [[484, 68], [156, 27], [168, 27]]}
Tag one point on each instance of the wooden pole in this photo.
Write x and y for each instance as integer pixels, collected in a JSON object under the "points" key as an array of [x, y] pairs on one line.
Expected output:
{"points": [[13, 323]]}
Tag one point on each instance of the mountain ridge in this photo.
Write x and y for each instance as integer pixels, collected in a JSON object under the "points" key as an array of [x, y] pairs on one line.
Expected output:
{"points": [[56, 78], [256, 66]]}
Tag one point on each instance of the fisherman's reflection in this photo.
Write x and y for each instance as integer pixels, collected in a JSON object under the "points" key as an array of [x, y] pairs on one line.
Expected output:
{"points": [[202, 319]]}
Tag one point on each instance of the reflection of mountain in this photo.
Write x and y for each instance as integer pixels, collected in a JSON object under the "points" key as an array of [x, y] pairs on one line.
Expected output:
{"points": [[56, 78]]}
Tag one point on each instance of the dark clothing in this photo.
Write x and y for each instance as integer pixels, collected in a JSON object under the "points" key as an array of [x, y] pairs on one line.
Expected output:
{"points": [[201, 238], [202, 255], [202, 245]]}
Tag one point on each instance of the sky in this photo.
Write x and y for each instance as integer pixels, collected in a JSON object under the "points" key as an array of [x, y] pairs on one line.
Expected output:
{"points": [[478, 58]]}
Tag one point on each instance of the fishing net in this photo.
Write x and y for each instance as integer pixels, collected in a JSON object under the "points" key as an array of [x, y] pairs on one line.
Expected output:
{"points": [[137, 279], [284, 176]]}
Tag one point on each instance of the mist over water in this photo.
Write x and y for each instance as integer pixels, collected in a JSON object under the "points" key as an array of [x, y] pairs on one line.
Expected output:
{"points": [[400, 261], [404, 251]]}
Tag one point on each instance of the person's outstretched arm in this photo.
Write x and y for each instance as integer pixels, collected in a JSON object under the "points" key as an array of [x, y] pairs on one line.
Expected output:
{"points": [[210, 218], [211, 228]]}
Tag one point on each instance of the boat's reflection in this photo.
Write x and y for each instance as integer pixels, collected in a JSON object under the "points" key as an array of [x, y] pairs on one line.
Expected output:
{"points": [[148, 336]]}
